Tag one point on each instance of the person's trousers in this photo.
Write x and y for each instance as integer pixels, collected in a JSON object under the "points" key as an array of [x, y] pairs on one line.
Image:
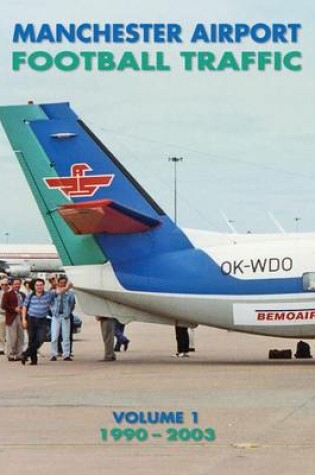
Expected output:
{"points": [[63, 324], [71, 336], [15, 338], [182, 339], [36, 329], [2, 332], [108, 332], [119, 333]]}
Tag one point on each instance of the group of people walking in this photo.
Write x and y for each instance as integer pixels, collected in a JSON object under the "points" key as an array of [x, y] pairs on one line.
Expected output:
{"points": [[29, 312], [23, 321]]}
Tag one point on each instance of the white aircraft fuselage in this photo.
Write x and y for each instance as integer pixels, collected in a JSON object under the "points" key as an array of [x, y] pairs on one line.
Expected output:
{"points": [[246, 257]]}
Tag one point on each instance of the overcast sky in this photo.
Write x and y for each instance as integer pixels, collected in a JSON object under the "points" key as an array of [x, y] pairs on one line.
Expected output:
{"points": [[247, 138]]}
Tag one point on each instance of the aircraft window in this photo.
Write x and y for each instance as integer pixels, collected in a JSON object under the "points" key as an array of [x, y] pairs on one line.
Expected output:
{"points": [[309, 281]]}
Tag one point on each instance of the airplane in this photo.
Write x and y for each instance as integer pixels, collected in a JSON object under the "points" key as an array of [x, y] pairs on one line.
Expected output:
{"points": [[127, 259], [20, 260]]}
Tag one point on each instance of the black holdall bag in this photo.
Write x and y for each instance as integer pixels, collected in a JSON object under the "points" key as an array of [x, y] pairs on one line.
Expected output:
{"points": [[280, 354]]}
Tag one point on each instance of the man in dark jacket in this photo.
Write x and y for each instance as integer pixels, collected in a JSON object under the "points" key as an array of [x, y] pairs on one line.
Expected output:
{"points": [[12, 304]]}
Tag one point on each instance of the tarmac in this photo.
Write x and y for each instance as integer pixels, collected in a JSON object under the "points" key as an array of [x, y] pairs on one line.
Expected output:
{"points": [[262, 411]]}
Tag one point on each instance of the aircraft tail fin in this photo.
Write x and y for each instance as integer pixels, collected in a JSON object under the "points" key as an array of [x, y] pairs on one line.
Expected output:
{"points": [[80, 186]]}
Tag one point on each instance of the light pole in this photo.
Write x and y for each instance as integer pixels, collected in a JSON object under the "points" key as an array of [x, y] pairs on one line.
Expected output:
{"points": [[175, 160], [297, 221], [7, 237]]}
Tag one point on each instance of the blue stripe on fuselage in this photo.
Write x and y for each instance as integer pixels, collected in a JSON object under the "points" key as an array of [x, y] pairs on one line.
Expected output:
{"points": [[192, 271]]}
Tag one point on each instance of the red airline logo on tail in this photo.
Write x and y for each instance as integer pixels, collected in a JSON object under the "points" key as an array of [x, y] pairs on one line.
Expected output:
{"points": [[78, 183]]}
